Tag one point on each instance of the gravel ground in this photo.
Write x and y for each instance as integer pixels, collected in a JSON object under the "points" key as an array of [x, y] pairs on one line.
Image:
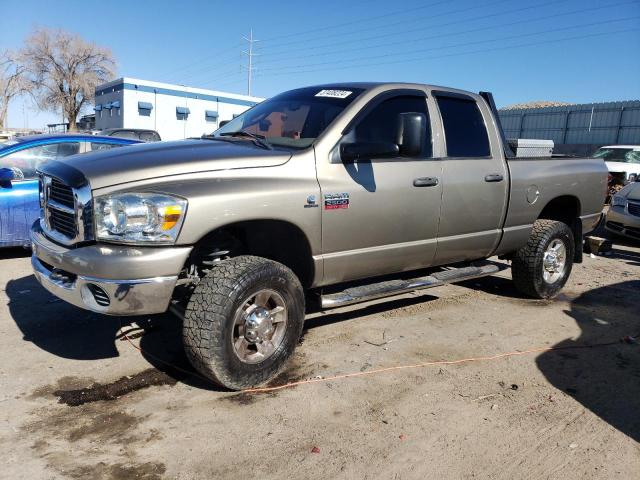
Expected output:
{"points": [[79, 401]]}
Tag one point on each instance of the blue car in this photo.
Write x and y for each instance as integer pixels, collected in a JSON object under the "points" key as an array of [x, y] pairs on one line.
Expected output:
{"points": [[19, 159]]}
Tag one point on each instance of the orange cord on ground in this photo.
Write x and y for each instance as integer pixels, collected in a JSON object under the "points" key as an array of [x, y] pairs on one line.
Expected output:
{"points": [[626, 339]]}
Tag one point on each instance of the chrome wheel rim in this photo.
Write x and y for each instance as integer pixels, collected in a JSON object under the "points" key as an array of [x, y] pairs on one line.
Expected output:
{"points": [[554, 261], [259, 326]]}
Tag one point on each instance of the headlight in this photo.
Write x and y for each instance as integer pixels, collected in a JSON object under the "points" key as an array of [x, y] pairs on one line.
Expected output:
{"points": [[618, 201], [139, 217]]}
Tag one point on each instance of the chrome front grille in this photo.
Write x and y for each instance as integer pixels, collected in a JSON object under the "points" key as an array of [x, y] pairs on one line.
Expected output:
{"points": [[61, 193], [63, 222], [634, 208], [66, 212]]}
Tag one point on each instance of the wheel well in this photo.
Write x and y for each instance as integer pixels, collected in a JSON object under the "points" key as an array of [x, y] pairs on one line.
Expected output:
{"points": [[276, 240], [566, 209]]}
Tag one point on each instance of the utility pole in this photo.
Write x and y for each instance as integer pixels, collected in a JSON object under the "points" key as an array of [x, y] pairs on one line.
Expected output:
{"points": [[250, 55]]}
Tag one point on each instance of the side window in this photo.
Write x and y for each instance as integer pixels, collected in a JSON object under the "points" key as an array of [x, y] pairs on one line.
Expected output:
{"points": [[149, 137], [464, 128], [25, 162], [102, 146], [125, 134], [66, 149], [381, 123]]}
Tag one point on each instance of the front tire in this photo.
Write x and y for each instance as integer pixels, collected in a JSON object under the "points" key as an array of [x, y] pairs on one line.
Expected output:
{"points": [[542, 267], [243, 321]]}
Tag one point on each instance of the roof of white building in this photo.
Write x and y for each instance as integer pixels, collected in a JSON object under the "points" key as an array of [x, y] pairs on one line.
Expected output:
{"points": [[129, 83]]}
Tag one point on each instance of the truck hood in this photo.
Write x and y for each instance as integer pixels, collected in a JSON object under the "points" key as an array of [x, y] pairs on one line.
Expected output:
{"points": [[161, 159], [623, 167]]}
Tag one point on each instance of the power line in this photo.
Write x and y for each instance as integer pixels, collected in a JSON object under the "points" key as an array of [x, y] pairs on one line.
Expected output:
{"points": [[455, 33], [204, 70], [388, 25], [231, 79], [198, 62], [214, 64], [437, 36], [358, 21], [474, 42], [471, 52], [200, 71]]}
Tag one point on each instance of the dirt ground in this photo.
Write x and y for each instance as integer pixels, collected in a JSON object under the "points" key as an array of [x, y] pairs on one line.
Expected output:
{"points": [[78, 401]]}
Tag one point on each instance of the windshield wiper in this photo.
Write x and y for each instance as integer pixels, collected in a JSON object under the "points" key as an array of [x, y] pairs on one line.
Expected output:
{"points": [[259, 140]]}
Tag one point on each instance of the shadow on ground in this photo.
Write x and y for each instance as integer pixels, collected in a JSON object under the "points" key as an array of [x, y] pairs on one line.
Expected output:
{"points": [[604, 380], [70, 332], [624, 248]]}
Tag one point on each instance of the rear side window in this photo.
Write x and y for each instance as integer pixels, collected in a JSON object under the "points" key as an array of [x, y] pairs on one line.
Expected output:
{"points": [[103, 146], [464, 128]]}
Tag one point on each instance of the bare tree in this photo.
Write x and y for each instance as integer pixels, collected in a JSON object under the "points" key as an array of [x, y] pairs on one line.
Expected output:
{"points": [[64, 70], [12, 82]]}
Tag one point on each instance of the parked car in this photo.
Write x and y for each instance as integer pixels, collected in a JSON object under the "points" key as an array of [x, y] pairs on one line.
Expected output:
{"points": [[19, 159], [623, 163], [133, 133], [327, 195], [623, 216]]}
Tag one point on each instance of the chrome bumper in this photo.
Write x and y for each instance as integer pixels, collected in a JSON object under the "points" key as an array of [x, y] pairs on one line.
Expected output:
{"points": [[106, 279], [619, 220], [111, 297]]}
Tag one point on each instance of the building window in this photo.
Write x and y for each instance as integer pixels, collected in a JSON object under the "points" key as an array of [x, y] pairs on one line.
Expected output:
{"points": [[144, 109], [182, 113], [116, 105], [210, 116]]}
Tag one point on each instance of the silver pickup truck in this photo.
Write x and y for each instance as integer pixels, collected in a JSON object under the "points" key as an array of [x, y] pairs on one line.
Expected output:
{"points": [[316, 198]]}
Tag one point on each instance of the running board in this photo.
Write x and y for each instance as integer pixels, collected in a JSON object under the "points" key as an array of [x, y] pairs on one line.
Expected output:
{"points": [[389, 288]]}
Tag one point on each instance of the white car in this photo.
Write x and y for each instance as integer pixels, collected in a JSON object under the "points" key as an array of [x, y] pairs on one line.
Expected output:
{"points": [[623, 163]]}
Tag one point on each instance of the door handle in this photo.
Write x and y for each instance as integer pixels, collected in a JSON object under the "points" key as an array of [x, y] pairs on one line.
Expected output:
{"points": [[425, 182], [494, 177]]}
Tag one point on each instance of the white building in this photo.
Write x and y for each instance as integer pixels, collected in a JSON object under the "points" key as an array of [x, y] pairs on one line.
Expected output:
{"points": [[174, 111]]}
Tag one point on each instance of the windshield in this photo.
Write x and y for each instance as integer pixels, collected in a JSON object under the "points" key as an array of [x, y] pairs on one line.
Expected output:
{"points": [[293, 119], [626, 155]]}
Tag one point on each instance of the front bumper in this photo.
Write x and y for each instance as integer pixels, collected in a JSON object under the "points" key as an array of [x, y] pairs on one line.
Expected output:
{"points": [[109, 279], [619, 220]]}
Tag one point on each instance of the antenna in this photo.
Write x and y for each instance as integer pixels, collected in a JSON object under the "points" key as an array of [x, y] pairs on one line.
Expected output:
{"points": [[250, 55]]}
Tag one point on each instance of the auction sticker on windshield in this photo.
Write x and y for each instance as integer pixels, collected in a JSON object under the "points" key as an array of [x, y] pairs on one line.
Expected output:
{"points": [[334, 93]]}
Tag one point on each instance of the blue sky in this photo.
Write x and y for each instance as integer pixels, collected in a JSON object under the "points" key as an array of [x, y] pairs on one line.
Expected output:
{"points": [[565, 50]]}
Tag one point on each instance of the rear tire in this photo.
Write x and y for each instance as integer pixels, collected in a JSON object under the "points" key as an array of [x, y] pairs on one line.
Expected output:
{"points": [[542, 267], [243, 321]]}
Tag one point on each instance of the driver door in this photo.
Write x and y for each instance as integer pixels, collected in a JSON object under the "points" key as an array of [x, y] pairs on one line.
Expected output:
{"points": [[380, 215]]}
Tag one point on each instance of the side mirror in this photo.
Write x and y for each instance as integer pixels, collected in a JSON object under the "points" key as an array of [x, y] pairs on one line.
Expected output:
{"points": [[633, 177], [223, 123], [410, 134], [351, 152], [6, 175]]}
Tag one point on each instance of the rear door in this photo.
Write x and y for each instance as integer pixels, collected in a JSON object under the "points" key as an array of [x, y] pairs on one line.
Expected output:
{"points": [[474, 178]]}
